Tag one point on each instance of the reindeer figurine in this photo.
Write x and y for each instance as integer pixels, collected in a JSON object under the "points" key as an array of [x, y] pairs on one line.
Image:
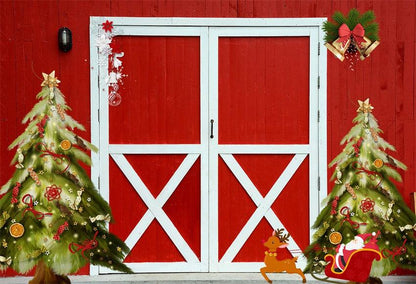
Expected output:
{"points": [[277, 240]]}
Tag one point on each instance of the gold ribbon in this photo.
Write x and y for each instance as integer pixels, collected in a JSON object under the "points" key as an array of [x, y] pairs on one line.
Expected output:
{"points": [[408, 227], [106, 218], [4, 260]]}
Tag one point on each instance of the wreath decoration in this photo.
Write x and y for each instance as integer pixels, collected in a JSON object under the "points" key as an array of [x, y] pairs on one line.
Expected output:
{"points": [[353, 36]]}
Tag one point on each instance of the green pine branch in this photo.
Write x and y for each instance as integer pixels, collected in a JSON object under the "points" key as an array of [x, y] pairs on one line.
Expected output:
{"points": [[367, 20]]}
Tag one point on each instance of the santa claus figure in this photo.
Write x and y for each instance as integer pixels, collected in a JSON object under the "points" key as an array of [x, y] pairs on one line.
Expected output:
{"points": [[344, 251]]}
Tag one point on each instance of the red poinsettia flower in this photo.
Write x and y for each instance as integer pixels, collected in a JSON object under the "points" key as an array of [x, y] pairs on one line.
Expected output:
{"points": [[107, 26]]}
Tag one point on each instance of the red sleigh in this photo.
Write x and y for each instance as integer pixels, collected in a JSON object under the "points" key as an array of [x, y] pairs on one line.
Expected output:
{"points": [[357, 268]]}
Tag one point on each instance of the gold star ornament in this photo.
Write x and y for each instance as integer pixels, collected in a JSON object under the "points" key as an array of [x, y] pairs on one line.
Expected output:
{"points": [[50, 80], [365, 106]]}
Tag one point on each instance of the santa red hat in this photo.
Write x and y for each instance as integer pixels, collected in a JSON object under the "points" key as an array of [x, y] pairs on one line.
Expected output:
{"points": [[364, 236], [372, 243]]}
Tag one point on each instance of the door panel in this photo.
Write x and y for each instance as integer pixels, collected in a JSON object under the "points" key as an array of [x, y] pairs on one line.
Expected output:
{"points": [[182, 207], [161, 93], [152, 157], [264, 103], [263, 86]]}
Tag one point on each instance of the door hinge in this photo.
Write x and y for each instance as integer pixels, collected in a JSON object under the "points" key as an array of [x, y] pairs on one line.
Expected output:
{"points": [[319, 48], [319, 82], [319, 183], [212, 129]]}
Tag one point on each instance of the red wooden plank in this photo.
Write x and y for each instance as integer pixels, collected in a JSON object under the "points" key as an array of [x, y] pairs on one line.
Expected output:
{"points": [[405, 60], [309, 8], [293, 201], [245, 8], [128, 8], [75, 85], [183, 207], [256, 94], [184, 8], [162, 87], [9, 122]]}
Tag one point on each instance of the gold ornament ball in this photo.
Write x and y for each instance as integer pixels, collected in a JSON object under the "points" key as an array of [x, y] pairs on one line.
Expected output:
{"points": [[378, 163], [17, 230], [335, 238], [65, 145]]}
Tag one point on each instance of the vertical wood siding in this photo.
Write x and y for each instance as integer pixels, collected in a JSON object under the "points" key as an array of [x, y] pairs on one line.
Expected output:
{"points": [[28, 46]]}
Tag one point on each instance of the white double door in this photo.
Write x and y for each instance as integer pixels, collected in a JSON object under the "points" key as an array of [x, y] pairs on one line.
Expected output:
{"points": [[217, 133]]}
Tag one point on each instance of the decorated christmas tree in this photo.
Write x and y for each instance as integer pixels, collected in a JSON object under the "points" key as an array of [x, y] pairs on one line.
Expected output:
{"points": [[365, 211], [51, 214]]}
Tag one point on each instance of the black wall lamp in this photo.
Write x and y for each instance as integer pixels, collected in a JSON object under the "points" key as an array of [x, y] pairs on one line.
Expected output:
{"points": [[65, 39]]}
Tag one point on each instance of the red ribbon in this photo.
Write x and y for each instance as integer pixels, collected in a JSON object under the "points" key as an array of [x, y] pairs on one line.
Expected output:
{"points": [[38, 215], [357, 34], [371, 174], [345, 211], [395, 252], [61, 229], [86, 245], [58, 158], [15, 192]]}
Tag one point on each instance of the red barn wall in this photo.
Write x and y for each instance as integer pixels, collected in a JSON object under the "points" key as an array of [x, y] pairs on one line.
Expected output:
{"points": [[28, 42]]}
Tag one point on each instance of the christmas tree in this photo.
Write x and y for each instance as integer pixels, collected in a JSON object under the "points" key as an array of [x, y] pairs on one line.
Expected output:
{"points": [[51, 215], [365, 203]]}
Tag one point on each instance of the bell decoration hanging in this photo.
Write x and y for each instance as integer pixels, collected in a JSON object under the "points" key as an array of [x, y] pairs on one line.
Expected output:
{"points": [[352, 37]]}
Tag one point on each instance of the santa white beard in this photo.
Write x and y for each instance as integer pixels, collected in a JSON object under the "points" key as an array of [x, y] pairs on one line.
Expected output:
{"points": [[356, 243]]}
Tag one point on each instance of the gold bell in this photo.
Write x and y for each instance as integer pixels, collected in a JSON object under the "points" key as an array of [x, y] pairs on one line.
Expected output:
{"points": [[367, 47], [337, 48]]}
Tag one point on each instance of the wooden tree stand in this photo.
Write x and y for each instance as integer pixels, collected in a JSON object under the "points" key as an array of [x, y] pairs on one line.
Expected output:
{"points": [[44, 275]]}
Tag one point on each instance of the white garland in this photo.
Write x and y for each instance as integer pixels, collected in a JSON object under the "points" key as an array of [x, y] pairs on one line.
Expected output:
{"points": [[114, 77]]}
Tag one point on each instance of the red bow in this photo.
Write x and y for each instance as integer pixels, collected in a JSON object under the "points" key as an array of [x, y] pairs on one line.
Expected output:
{"points": [[396, 251], [345, 211], [372, 174], [86, 245], [357, 33], [38, 215], [58, 158]]}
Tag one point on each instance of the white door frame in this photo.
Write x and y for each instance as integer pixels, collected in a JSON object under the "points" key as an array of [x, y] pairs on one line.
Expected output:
{"points": [[208, 29]]}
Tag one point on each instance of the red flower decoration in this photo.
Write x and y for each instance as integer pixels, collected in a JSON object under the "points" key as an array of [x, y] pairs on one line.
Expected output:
{"points": [[367, 205], [53, 192], [107, 26]]}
